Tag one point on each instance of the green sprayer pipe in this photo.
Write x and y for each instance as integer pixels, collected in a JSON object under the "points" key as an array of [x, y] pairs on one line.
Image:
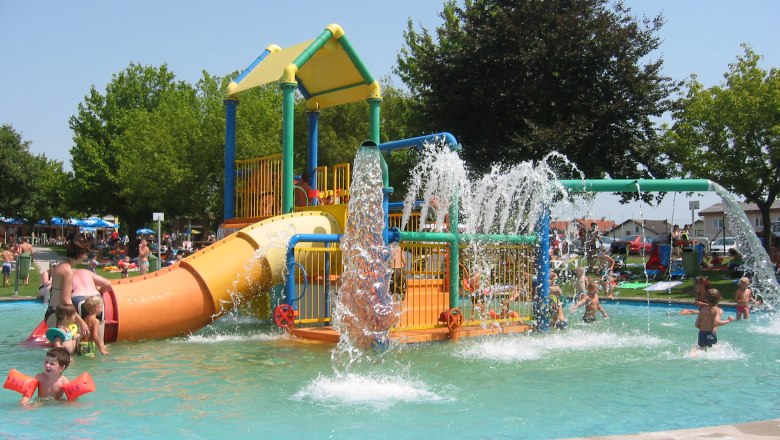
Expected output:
{"points": [[630, 185], [448, 237]]}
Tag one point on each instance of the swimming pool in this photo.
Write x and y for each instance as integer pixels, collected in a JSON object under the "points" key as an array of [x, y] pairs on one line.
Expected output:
{"points": [[240, 378]]}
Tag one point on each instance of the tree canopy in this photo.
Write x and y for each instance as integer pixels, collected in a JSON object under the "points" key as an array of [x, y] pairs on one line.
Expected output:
{"points": [[150, 143], [730, 133], [32, 187], [516, 80]]}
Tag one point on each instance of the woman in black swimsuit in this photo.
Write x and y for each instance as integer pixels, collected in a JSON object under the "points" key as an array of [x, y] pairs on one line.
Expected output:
{"points": [[62, 279]]}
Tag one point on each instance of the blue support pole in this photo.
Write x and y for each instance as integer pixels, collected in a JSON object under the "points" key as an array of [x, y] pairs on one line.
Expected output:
{"points": [[230, 158], [542, 299], [289, 287], [314, 129]]}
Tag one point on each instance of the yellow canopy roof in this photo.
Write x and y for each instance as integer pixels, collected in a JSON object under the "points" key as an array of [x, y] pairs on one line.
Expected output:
{"points": [[328, 72]]}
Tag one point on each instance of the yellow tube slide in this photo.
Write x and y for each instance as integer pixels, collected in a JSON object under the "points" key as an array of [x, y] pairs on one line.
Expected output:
{"points": [[188, 295]]}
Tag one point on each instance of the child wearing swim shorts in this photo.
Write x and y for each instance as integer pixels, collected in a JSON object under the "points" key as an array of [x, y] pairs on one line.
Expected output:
{"points": [[709, 319]]}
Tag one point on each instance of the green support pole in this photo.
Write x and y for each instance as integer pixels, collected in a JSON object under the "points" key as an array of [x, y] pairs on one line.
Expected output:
{"points": [[454, 253], [373, 134], [288, 130]]}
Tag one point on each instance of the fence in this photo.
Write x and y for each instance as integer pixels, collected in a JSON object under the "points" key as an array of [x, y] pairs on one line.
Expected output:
{"points": [[420, 283]]}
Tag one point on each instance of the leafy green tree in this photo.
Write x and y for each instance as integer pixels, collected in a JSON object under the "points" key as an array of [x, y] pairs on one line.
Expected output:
{"points": [[516, 80], [17, 173], [32, 187], [730, 133], [149, 144]]}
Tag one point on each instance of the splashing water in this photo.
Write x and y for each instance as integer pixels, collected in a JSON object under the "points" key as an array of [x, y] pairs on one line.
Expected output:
{"points": [[439, 178], [247, 286], [379, 392], [364, 312], [507, 200], [754, 255]]}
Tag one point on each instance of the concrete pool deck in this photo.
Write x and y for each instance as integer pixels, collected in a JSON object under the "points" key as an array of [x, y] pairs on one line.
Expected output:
{"points": [[761, 430]]}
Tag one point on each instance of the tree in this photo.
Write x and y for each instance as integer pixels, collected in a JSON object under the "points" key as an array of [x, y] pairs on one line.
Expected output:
{"points": [[730, 133], [516, 80], [31, 187], [17, 176], [141, 147]]}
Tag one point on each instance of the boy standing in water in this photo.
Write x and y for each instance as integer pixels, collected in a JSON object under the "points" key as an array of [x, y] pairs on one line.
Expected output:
{"points": [[743, 296], [591, 303], [709, 320], [606, 267], [580, 285], [51, 380]]}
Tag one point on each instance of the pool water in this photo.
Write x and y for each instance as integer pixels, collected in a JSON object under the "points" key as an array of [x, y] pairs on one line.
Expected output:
{"points": [[242, 378]]}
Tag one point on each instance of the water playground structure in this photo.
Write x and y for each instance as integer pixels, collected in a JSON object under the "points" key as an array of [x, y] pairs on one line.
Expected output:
{"points": [[293, 260], [352, 264]]}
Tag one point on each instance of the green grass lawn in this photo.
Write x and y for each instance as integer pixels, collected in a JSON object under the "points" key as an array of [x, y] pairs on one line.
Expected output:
{"points": [[720, 280], [35, 278]]}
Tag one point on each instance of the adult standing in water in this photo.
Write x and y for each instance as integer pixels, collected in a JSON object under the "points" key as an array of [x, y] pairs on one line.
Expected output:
{"points": [[62, 279], [143, 257]]}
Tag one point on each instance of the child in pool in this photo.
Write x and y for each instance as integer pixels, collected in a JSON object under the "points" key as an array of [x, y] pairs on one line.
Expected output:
{"points": [[580, 285], [51, 380], [66, 321], [94, 307], [124, 266], [743, 297], [591, 303], [606, 267], [709, 320]]}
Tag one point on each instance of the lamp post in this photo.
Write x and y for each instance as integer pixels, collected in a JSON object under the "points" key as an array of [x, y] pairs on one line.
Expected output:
{"points": [[159, 216], [693, 205]]}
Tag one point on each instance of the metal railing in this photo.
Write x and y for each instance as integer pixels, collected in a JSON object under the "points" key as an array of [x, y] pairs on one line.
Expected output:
{"points": [[259, 187]]}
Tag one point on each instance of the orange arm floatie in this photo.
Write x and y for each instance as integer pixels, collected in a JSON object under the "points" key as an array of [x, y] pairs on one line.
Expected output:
{"points": [[78, 386], [22, 384]]}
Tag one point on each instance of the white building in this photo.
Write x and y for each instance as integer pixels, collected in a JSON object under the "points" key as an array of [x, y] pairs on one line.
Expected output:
{"points": [[715, 219]]}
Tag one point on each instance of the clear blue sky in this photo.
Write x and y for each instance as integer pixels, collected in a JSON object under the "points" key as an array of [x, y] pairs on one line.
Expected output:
{"points": [[54, 51]]}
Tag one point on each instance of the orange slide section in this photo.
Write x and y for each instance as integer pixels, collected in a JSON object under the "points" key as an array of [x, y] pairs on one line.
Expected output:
{"points": [[194, 292]]}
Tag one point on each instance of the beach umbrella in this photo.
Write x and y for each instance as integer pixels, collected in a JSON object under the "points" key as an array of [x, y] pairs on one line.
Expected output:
{"points": [[95, 222], [11, 221], [144, 231]]}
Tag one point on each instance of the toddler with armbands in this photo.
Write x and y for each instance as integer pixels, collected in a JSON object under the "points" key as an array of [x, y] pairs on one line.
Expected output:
{"points": [[66, 334], [51, 383]]}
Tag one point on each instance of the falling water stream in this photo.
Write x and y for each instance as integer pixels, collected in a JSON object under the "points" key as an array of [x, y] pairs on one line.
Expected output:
{"points": [[364, 312]]}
